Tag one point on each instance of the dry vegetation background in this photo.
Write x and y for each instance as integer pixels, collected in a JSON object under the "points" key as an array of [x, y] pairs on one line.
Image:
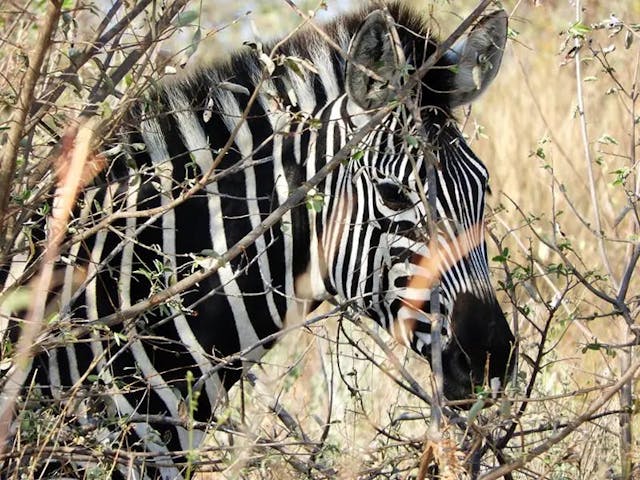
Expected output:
{"points": [[564, 248]]}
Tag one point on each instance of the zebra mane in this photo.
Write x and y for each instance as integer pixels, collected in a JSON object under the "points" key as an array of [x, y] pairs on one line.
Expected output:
{"points": [[222, 88], [339, 29], [310, 45]]}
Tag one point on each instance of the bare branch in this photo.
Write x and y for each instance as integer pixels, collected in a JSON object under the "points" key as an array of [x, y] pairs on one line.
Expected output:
{"points": [[21, 110]]}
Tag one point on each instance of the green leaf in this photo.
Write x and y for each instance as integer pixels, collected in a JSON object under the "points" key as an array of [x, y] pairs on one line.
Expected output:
{"points": [[592, 346], [315, 201], [564, 245], [315, 123], [412, 141], [608, 140], [296, 69], [128, 79], [475, 409], [621, 175], [558, 268], [298, 65], [503, 256], [119, 338], [195, 41], [357, 155], [105, 109], [16, 300], [185, 18], [208, 252], [579, 29]]}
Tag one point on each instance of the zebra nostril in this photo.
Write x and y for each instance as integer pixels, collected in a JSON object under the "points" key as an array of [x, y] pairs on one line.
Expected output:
{"points": [[481, 348]]}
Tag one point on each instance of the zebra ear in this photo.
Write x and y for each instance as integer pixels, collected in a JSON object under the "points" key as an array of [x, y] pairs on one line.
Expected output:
{"points": [[477, 58], [376, 48]]}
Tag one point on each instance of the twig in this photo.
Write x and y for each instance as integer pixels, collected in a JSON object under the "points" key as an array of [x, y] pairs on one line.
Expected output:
{"points": [[328, 381], [25, 350], [149, 40], [596, 405], [503, 441], [632, 256], [39, 110], [556, 425], [595, 203], [21, 110]]}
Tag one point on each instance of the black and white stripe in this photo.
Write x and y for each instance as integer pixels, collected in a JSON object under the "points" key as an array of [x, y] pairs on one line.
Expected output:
{"points": [[364, 245]]}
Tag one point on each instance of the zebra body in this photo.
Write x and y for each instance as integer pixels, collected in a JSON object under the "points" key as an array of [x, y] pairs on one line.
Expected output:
{"points": [[362, 237]]}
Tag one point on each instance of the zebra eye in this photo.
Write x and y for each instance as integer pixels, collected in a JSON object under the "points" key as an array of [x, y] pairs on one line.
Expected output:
{"points": [[394, 196]]}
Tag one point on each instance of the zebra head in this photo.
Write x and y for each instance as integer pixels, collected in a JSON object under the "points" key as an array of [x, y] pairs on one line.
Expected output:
{"points": [[379, 244]]}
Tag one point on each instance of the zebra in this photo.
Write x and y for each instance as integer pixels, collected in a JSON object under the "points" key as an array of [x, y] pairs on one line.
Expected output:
{"points": [[363, 235]]}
